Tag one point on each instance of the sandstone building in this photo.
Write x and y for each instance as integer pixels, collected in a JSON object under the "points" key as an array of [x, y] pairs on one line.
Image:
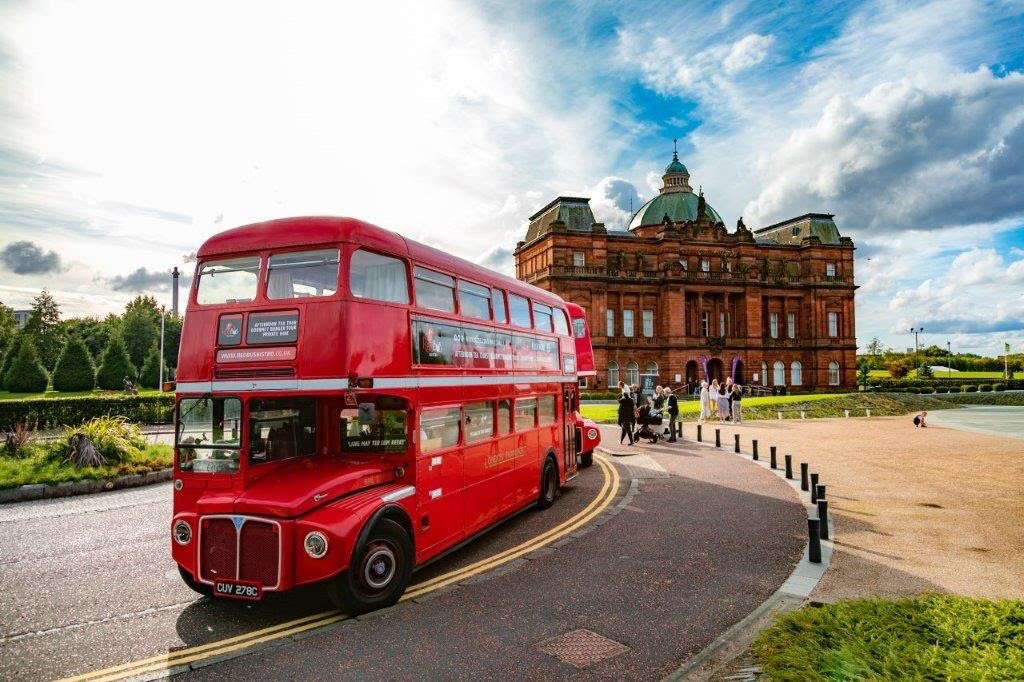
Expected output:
{"points": [[680, 296]]}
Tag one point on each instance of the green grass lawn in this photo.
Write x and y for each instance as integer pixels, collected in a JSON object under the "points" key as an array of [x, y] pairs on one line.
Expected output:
{"points": [[7, 395], [932, 637], [995, 376], [44, 463]]}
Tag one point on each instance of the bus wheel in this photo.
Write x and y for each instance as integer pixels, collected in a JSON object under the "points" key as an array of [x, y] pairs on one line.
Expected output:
{"points": [[379, 573], [586, 458], [201, 588], [548, 484]]}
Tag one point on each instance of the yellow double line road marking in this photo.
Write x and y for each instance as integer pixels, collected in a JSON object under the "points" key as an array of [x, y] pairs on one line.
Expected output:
{"points": [[182, 657]]}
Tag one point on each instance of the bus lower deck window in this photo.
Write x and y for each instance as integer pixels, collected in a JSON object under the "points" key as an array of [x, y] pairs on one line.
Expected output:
{"points": [[504, 417], [546, 409], [526, 414], [208, 434], [479, 421], [440, 428]]}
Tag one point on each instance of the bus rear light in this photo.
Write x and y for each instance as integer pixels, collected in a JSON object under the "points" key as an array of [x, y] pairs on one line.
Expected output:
{"points": [[315, 545], [182, 533]]}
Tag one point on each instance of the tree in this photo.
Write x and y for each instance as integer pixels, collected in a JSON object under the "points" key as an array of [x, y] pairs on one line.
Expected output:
{"points": [[150, 374], [925, 371], [875, 348], [115, 365], [9, 357], [75, 370], [94, 332], [898, 369], [44, 328], [8, 327], [172, 339], [139, 333], [144, 305], [863, 374], [27, 374]]}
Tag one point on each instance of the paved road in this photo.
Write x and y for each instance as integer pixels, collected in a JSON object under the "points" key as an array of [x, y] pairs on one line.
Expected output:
{"points": [[88, 584]]}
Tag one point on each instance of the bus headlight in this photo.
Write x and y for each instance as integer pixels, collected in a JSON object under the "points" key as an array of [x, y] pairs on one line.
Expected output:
{"points": [[592, 434], [315, 545], [182, 533]]}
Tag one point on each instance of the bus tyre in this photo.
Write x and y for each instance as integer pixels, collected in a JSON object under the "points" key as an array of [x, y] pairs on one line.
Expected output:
{"points": [[586, 458], [379, 573], [201, 588], [548, 484]]}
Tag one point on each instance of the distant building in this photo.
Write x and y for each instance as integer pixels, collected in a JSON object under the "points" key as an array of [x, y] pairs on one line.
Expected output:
{"points": [[680, 296], [21, 317]]}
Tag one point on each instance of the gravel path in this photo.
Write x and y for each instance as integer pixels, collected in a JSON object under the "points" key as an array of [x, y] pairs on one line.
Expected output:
{"points": [[916, 510]]}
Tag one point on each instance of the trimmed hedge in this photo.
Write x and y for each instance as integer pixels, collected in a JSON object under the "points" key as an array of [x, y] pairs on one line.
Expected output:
{"points": [[75, 370], [985, 388], [27, 374], [115, 365], [968, 388], [941, 389], [9, 356], [55, 412], [149, 377], [938, 380], [998, 387]]}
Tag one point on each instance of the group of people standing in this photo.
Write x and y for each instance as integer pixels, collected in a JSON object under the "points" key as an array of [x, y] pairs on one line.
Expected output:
{"points": [[635, 407], [725, 400]]}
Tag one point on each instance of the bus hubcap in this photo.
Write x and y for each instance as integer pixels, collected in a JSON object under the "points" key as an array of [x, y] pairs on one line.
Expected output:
{"points": [[379, 567]]}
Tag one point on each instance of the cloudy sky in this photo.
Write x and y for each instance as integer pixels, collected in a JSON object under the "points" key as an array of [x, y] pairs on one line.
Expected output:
{"points": [[131, 131]]}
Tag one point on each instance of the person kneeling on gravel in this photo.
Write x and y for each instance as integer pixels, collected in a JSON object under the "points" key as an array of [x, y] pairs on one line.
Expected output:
{"points": [[919, 420]]}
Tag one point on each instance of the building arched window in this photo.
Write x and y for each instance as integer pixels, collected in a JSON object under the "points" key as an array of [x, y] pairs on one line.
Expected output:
{"points": [[613, 375], [833, 373], [780, 373], [764, 373], [652, 368], [633, 374], [796, 376]]}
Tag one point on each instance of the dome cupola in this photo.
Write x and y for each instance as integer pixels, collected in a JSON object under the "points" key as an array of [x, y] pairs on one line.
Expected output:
{"points": [[676, 177]]}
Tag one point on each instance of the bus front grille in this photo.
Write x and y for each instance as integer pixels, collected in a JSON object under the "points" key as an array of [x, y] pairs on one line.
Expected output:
{"points": [[240, 548]]}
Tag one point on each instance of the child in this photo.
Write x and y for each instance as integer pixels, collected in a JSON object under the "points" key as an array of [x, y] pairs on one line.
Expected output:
{"points": [[919, 420]]}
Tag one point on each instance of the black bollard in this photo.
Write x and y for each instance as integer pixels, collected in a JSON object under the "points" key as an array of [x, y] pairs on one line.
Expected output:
{"points": [[737, 447], [823, 516], [821, 491], [814, 488], [813, 541], [754, 443], [679, 430], [700, 433], [803, 476], [775, 463], [718, 438], [789, 467]]}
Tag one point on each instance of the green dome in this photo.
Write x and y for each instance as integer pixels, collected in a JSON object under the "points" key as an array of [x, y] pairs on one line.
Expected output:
{"points": [[676, 166], [678, 206]]}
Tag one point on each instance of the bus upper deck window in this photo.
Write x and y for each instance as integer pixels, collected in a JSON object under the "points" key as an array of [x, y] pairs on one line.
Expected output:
{"points": [[561, 322], [542, 317], [434, 290], [498, 305], [232, 280], [302, 273], [519, 308], [371, 275], [579, 328], [474, 300]]}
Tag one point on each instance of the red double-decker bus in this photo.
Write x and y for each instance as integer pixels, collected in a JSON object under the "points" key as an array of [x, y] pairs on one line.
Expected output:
{"points": [[351, 404]]}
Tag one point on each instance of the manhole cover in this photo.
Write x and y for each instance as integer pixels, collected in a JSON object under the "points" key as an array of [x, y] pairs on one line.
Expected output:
{"points": [[581, 648]]}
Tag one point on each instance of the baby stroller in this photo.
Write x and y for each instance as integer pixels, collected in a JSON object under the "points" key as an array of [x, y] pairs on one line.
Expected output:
{"points": [[646, 419]]}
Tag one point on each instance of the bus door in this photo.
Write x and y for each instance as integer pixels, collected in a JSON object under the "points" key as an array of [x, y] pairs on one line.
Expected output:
{"points": [[439, 479], [569, 429]]}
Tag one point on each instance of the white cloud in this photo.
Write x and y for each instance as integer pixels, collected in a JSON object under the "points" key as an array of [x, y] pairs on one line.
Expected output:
{"points": [[746, 52]]}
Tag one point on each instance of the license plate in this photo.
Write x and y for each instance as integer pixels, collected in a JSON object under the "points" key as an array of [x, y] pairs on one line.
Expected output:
{"points": [[251, 591]]}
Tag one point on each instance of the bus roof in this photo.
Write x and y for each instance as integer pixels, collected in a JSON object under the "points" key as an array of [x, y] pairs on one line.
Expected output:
{"points": [[322, 230]]}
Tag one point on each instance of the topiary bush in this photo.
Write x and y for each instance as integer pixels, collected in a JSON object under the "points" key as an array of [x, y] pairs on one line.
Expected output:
{"points": [[942, 389], [969, 388], [998, 387], [54, 412], [985, 388], [9, 356], [927, 389], [912, 389], [115, 365], [27, 374], [75, 370], [149, 377]]}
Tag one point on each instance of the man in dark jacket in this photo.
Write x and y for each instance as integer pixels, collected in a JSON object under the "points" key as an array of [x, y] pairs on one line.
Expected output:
{"points": [[673, 414], [627, 417]]}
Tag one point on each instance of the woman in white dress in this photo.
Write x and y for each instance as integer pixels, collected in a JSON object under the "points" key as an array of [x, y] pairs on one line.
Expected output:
{"points": [[719, 395], [705, 403]]}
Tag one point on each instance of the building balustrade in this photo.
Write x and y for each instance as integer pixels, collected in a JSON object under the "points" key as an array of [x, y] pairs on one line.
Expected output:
{"points": [[603, 272]]}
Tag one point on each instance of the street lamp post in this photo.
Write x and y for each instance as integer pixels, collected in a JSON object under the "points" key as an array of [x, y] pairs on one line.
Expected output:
{"points": [[949, 360], [915, 331]]}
